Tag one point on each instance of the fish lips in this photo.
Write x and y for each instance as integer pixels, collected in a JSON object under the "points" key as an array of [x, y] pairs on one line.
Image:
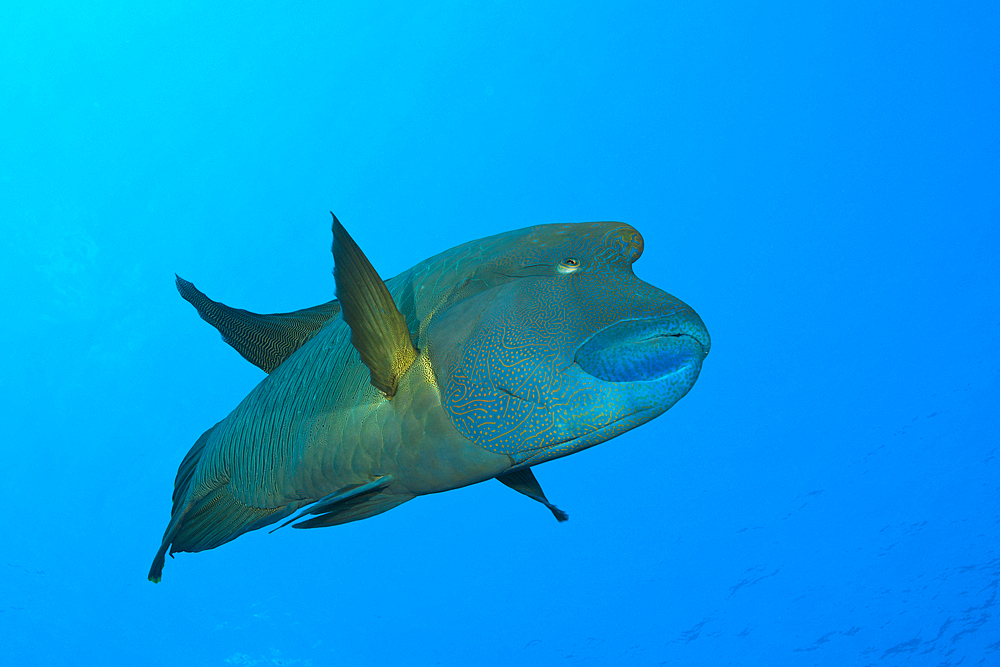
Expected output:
{"points": [[643, 350]]}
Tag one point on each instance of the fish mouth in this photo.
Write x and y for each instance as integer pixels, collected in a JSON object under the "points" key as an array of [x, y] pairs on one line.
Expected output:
{"points": [[646, 350]]}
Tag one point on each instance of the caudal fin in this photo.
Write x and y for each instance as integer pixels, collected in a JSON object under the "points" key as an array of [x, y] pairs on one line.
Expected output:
{"points": [[212, 519]]}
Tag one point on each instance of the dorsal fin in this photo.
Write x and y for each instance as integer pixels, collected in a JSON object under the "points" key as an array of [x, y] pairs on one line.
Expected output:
{"points": [[378, 329], [263, 340]]}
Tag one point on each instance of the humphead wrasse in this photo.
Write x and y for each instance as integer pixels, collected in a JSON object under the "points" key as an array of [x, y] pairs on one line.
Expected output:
{"points": [[478, 363]]}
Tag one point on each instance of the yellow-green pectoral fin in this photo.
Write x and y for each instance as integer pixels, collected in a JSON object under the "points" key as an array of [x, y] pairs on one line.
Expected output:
{"points": [[351, 504], [523, 481], [263, 340], [378, 329]]}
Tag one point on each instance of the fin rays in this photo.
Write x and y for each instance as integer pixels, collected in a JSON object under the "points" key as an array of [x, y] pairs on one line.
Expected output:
{"points": [[378, 329], [523, 481], [263, 340]]}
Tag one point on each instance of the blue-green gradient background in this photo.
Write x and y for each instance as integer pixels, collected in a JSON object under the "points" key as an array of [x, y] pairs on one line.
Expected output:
{"points": [[820, 181]]}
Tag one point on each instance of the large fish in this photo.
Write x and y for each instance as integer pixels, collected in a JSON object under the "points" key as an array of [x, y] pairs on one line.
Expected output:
{"points": [[480, 362]]}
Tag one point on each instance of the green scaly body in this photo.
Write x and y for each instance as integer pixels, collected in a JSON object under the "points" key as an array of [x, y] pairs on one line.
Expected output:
{"points": [[477, 363]]}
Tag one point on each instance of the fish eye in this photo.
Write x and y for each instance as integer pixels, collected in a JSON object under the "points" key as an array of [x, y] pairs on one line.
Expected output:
{"points": [[568, 265]]}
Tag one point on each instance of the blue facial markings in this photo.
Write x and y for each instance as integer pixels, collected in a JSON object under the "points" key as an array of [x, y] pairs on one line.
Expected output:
{"points": [[571, 348]]}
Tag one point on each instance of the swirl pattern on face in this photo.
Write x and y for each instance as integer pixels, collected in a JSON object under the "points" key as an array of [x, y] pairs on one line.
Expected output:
{"points": [[512, 381]]}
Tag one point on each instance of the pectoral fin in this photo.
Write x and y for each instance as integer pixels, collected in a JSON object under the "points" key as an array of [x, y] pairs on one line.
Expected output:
{"points": [[378, 329], [523, 481], [263, 340]]}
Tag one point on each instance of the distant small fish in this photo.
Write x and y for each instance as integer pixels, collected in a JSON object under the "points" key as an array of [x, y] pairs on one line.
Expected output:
{"points": [[480, 362]]}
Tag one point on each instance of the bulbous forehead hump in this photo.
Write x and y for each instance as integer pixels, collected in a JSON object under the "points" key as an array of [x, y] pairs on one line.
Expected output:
{"points": [[612, 242]]}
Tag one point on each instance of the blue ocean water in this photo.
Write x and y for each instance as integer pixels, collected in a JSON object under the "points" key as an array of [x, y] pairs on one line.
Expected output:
{"points": [[820, 181]]}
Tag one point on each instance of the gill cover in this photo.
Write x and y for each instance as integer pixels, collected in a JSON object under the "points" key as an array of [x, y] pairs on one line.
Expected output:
{"points": [[505, 345]]}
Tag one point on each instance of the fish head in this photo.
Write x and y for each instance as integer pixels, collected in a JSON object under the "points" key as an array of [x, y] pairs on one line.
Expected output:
{"points": [[548, 343]]}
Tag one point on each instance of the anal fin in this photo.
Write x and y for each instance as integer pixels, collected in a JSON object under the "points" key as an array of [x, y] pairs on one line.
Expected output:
{"points": [[351, 504], [523, 481]]}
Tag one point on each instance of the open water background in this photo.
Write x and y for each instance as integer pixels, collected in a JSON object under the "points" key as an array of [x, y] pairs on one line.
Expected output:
{"points": [[820, 181]]}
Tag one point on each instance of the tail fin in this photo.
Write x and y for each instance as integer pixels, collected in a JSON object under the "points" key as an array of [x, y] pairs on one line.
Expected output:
{"points": [[182, 484], [215, 517]]}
